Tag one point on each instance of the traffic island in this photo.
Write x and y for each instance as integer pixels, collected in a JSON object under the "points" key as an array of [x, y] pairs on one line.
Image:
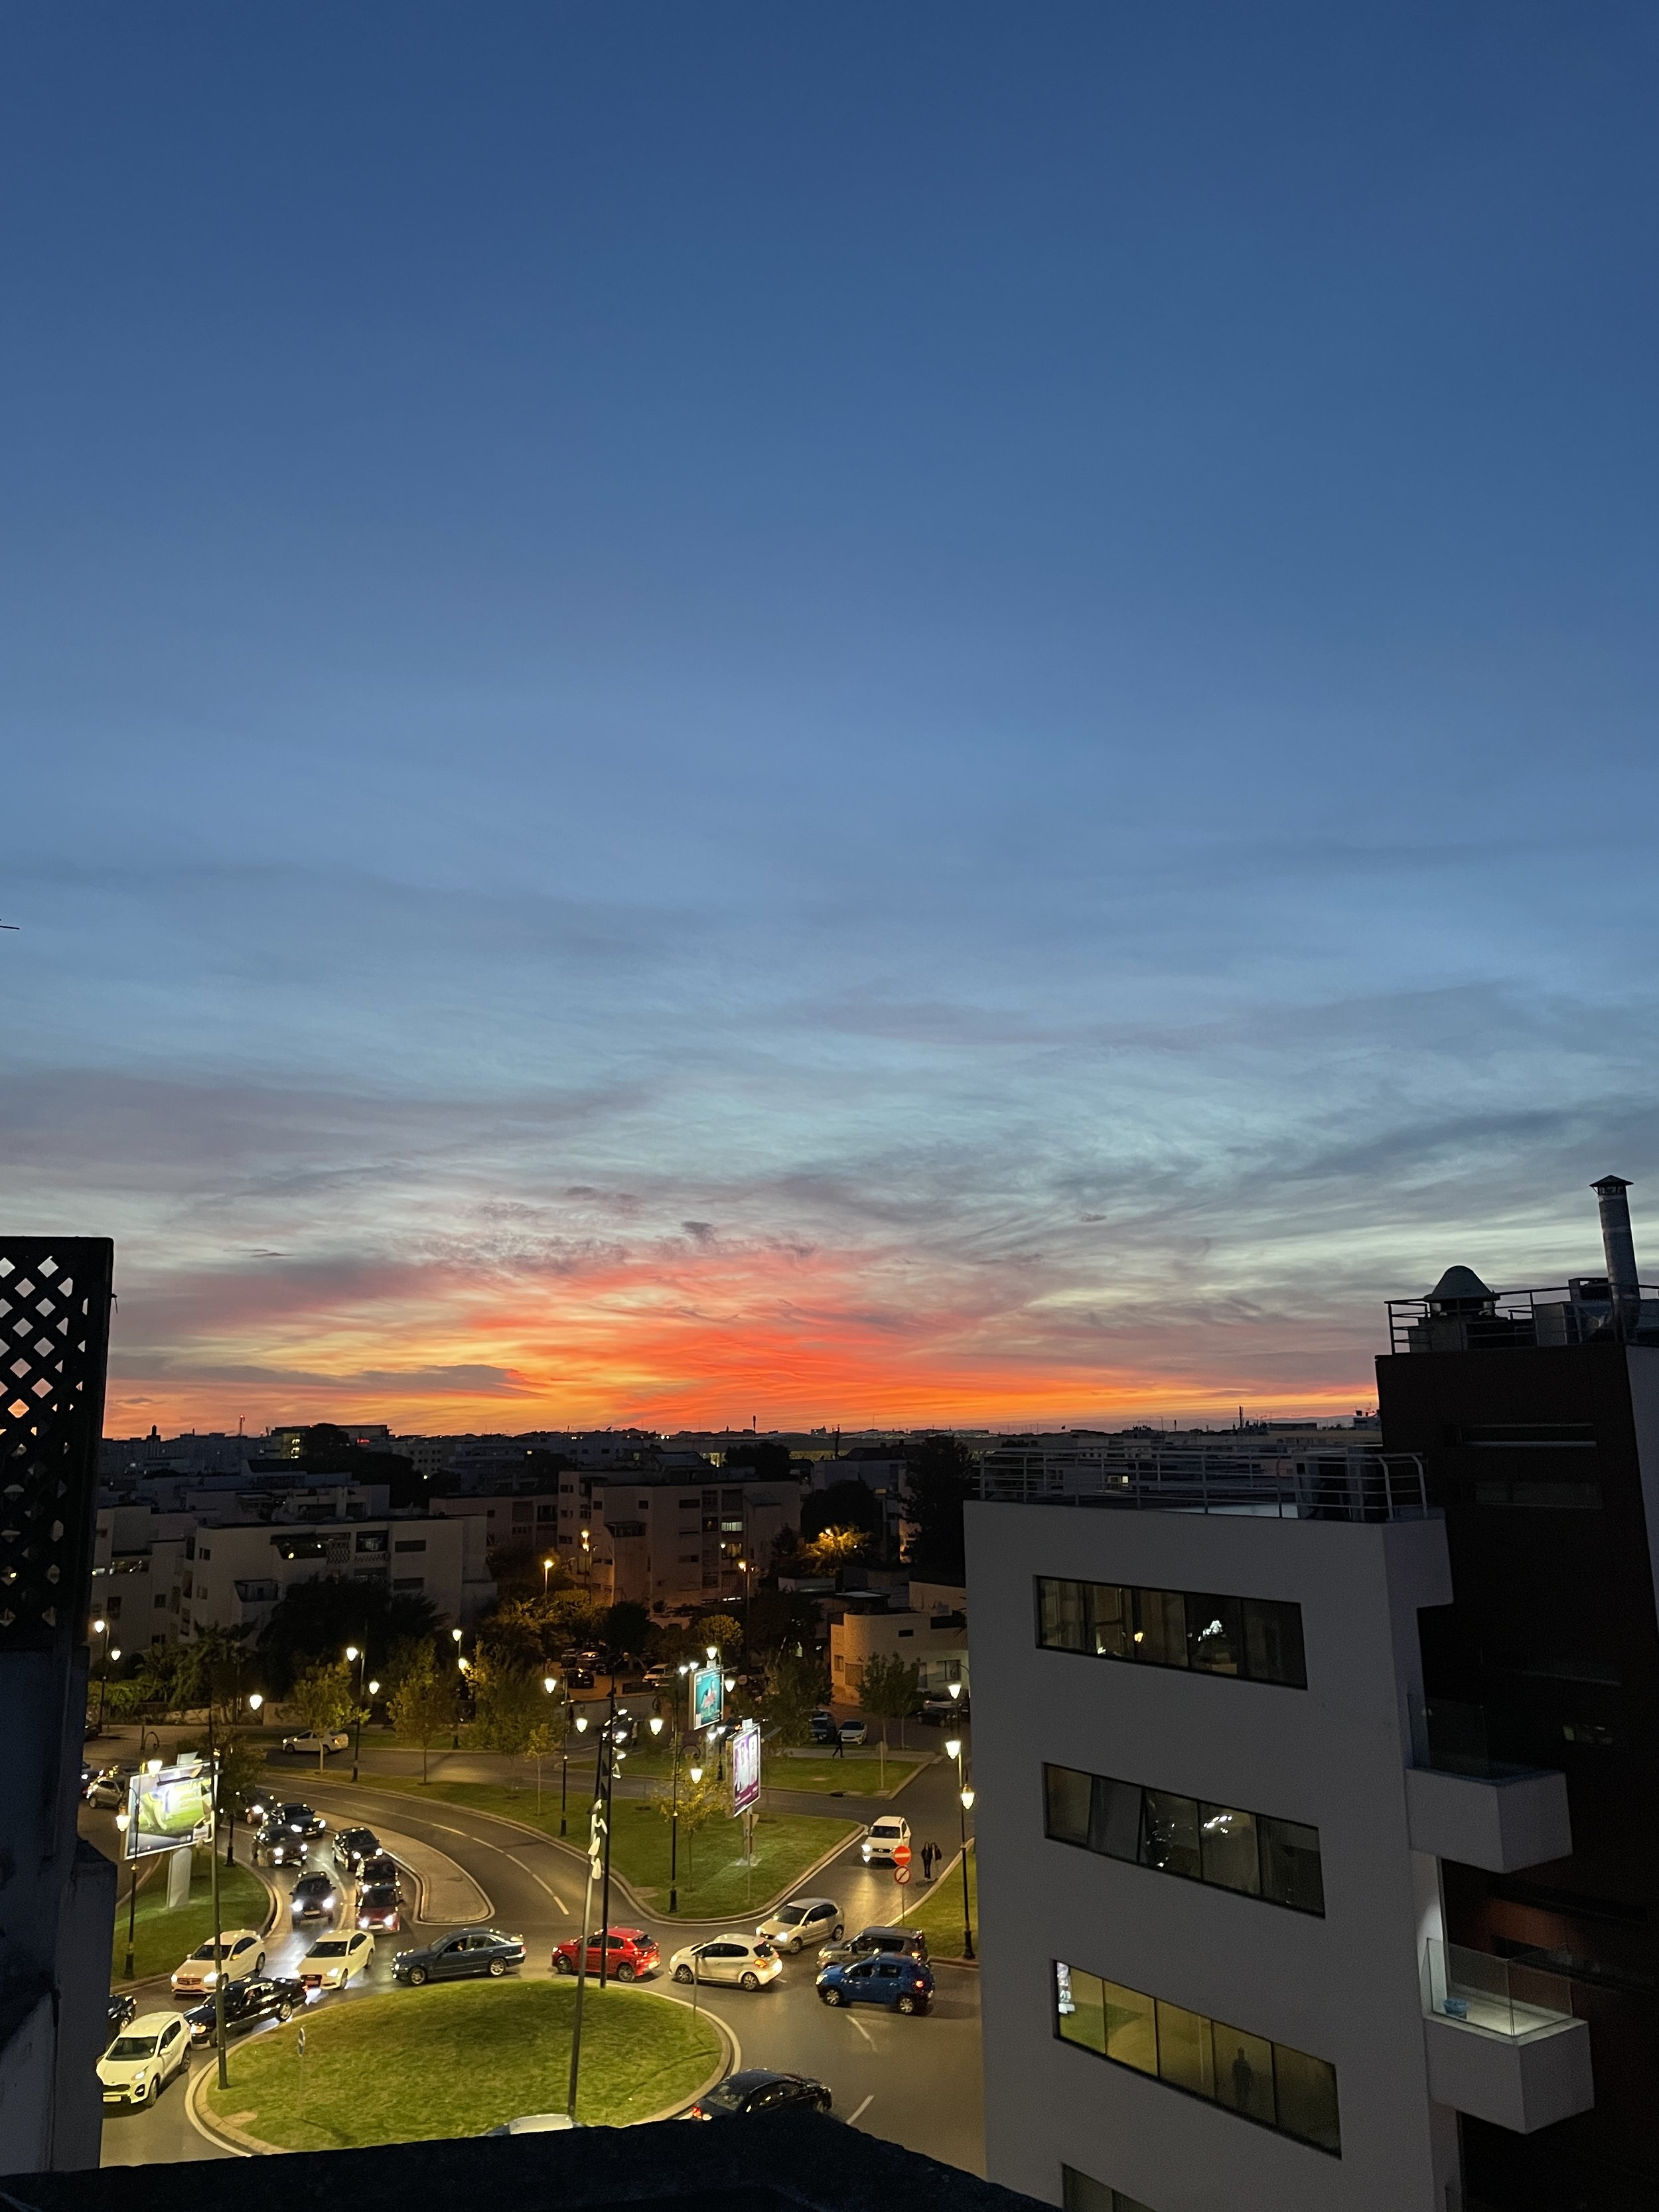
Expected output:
{"points": [[420, 2065], [162, 1939]]}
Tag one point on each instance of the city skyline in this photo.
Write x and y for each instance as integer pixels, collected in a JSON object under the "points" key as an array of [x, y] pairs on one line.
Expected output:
{"points": [[922, 717]]}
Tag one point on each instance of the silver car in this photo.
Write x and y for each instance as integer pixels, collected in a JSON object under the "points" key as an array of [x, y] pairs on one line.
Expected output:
{"points": [[804, 1920]]}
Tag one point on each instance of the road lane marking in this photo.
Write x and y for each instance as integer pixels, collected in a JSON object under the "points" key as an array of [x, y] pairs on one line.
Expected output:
{"points": [[862, 2029], [852, 2118]]}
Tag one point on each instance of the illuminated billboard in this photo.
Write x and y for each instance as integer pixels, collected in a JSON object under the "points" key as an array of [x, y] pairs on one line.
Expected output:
{"points": [[707, 1698], [169, 1808], [745, 1768]]}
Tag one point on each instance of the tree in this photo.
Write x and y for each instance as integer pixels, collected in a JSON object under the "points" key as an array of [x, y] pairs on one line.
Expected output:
{"points": [[322, 1700], [316, 1619], [329, 1450], [510, 1706], [941, 1480], [832, 1549], [698, 1802], [774, 1618], [720, 1630], [626, 1628], [211, 1670], [842, 1505], [422, 1706], [891, 1690], [797, 1685], [764, 1460]]}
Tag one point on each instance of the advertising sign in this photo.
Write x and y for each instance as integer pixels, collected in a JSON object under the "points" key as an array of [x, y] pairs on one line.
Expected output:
{"points": [[170, 1807], [745, 1768], [708, 1697]]}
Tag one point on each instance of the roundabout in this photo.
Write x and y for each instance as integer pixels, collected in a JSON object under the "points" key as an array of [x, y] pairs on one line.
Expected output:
{"points": [[417, 2065]]}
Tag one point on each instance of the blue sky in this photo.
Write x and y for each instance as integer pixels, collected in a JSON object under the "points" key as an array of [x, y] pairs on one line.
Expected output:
{"points": [[878, 713]]}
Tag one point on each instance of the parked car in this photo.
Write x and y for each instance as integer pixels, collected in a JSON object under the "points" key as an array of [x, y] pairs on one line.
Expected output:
{"points": [[310, 1745], [760, 2089], [804, 1920], [943, 1712], [261, 1997], [106, 1786], [382, 1867], [380, 1905], [241, 1952], [907, 1943], [332, 1960], [469, 1951], [823, 1726], [353, 1845], [748, 1960], [883, 1839], [630, 1955], [122, 2009], [298, 1821], [905, 1984], [578, 1677], [315, 1898], [143, 2058]]}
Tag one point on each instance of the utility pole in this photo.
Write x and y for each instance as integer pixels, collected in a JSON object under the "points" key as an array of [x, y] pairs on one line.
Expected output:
{"points": [[595, 1839], [213, 1877]]}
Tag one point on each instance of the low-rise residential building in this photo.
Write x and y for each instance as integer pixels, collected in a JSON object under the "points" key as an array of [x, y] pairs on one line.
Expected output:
{"points": [[137, 1576], [237, 1572], [670, 1542], [936, 1643]]}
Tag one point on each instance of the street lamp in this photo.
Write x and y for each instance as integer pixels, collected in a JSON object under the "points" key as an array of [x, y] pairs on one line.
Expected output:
{"points": [[967, 1798], [101, 1628], [455, 1733], [121, 1819], [547, 1568], [360, 1659]]}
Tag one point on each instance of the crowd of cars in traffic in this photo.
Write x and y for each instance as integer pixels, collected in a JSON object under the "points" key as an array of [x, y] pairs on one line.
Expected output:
{"points": [[360, 1895]]}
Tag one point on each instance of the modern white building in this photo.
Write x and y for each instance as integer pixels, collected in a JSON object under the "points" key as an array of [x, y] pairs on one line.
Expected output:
{"points": [[1214, 1975], [237, 1573]]}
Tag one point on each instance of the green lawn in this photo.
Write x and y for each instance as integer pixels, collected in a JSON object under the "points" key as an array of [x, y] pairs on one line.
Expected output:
{"points": [[713, 1879], [417, 2064], [164, 1939], [859, 1773], [939, 1915]]}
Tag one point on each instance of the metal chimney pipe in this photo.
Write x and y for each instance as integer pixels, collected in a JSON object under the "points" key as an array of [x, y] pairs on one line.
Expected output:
{"points": [[1620, 1247]]}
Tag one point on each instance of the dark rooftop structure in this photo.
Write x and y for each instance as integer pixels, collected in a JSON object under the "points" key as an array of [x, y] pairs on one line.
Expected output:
{"points": [[760, 2165]]}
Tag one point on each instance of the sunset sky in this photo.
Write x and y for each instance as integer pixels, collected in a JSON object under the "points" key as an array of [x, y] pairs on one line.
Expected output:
{"points": [[885, 714]]}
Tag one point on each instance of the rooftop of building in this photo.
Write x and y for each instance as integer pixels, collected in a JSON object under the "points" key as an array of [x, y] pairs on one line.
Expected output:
{"points": [[1250, 1478], [762, 2164]]}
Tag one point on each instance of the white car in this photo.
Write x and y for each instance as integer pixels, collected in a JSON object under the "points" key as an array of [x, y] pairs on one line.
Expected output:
{"points": [[804, 1920], [885, 1838], [335, 1739], [330, 1963], [242, 1951], [748, 1960], [143, 2058]]}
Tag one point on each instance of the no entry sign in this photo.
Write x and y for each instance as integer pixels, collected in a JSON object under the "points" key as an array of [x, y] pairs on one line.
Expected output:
{"points": [[902, 1855]]}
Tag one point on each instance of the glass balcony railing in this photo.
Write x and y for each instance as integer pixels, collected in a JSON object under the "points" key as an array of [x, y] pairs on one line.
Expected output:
{"points": [[1455, 1738], [1479, 1991]]}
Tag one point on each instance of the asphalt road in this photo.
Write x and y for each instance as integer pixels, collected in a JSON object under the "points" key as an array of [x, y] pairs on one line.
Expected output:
{"points": [[916, 2081]]}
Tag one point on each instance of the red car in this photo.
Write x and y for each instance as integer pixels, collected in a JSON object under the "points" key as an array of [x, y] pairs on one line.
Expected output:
{"points": [[633, 1955]]}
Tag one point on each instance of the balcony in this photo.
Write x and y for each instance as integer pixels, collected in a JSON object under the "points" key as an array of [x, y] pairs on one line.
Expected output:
{"points": [[1464, 1805], [1502, 2041]]}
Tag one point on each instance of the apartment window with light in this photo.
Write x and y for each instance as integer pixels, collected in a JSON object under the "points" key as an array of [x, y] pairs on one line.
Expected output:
{"points": [[1253, 1639]]}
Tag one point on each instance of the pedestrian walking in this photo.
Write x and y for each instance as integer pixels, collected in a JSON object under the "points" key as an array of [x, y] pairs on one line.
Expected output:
{"points": [[840, 1750]]}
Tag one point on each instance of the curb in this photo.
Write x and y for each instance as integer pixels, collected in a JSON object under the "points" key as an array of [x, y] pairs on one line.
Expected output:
{"points": [[761, 1905], [237, 2141]]}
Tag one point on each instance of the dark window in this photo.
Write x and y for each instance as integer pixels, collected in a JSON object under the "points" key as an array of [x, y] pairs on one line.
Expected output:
{"points": [[1256, 1639], [409, 1544], [1250, 1853]]}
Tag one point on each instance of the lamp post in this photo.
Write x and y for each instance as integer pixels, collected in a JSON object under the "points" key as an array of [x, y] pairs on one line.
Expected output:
{"points": [[965, 1795], [455, 1734], [616, 1730], [694, 1775], [360, 1659], [132, 1894], [255, 1699], [101, 1628], [547, 1569]]}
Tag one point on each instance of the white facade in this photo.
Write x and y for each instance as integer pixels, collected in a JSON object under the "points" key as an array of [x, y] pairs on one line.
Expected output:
{"points": [[238, 1573], [1347, 1987], [670, 1542], [936, 1645]]}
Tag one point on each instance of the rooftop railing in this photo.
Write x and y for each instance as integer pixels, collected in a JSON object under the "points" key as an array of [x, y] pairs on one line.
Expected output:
{"points": [[1350, 1486], [1579, 1311]]}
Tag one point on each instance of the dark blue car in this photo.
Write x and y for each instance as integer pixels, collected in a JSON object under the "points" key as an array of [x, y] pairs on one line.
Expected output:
{"points": [[469, 1951], [905, 1984]]}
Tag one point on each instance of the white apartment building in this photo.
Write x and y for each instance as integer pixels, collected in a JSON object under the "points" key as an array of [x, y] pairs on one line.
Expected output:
{"points": [[935, 1643], [671, 1543], [514, 1517], [1213, 1971], [237, 1573], [137, 1576]]}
